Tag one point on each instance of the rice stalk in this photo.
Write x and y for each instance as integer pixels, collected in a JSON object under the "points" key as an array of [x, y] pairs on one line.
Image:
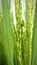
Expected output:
{"points": [[29, 29], [18, 13]]}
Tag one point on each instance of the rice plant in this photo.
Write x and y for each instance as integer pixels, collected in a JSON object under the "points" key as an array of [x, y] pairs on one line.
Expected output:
{"points": [[18, 45]]}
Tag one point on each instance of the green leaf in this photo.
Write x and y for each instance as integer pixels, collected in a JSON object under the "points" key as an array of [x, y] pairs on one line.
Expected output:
{"points": [[34, 41], [8, 43]]}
